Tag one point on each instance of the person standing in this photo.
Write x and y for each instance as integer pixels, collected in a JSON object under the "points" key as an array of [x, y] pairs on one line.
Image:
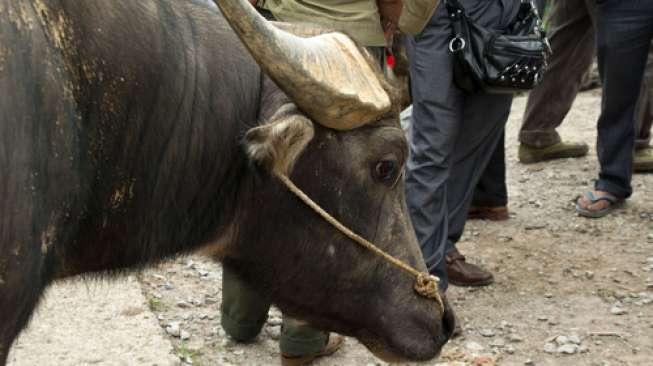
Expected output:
{"points": [[452, 137], [573, 41], [624, 29]]}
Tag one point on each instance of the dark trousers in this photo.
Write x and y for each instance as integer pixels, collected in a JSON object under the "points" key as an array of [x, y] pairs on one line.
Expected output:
{"points": [[452, 136], [624, 29], [573, 40], [491, 190]]}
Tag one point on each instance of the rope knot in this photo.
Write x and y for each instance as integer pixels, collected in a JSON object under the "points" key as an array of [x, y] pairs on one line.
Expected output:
{"points": [[427, 285]]}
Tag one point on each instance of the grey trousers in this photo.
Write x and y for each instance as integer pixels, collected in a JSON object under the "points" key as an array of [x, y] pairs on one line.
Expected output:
{"points": [[452, 136], [573, 40]]}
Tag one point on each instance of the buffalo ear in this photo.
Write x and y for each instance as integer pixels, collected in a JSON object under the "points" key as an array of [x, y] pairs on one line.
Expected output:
{"points": [[278, 144]]}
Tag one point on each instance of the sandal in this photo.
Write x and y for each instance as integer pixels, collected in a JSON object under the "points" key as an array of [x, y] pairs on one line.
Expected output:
{"points": [[611, 199]]}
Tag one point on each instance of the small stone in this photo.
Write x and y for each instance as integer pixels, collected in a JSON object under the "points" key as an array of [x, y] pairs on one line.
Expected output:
{"points": [[510, 349], [168, 286], [529, 363], [542, 318], [203, 273], [274, 332], [567, 349], [183, 304], [487, 332], [184, 335], [617, 310], [549, 348], [583, 349], [498, 342], [515, 338], [173, 329], [473, 346], [548, 295], [562, 340], [589, 275], [574, 339]]}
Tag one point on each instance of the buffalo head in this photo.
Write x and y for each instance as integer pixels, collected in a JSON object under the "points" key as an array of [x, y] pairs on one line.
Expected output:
{"points": [[341, 143]]}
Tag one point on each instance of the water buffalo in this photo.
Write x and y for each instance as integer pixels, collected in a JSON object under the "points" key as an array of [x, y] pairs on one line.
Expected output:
{"points": [[131, 131]]}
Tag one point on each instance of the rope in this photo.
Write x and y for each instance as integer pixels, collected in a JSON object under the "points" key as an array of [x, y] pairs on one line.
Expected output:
{"points": [[425, 283]]}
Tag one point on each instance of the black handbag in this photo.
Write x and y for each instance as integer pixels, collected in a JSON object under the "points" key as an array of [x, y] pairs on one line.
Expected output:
{"points": [[498, 61]]}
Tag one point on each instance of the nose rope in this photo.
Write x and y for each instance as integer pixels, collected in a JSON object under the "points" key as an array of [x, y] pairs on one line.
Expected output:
{"points": [[425, 283]]}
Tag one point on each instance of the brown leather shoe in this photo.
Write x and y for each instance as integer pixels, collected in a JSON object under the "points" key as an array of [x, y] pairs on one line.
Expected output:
{"points": [[488, 213], [465, 274], [334, 344]]}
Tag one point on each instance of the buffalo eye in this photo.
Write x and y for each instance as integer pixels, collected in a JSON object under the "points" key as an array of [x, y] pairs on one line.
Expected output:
{"points": [[386, 171]]}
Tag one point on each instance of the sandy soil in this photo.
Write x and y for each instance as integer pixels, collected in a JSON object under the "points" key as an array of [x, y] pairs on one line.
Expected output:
{"points": [[569, 291]]}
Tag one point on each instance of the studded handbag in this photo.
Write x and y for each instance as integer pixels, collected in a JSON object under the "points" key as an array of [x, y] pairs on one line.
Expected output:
{"points": [[498, 61]]}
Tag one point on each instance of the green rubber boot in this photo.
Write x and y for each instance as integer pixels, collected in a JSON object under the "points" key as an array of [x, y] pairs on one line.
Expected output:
{"points": [[561, 150], [643, 160]]}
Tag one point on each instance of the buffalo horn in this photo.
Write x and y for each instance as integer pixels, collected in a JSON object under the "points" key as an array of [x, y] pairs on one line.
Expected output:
{"points": [[327, 75]]}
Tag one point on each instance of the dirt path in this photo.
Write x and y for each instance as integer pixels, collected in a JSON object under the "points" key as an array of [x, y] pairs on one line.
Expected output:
{"points": [[94, 323], [570, 291]]}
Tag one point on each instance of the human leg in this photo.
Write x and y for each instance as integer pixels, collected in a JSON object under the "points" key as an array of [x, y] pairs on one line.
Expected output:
{"points": [[244, 311], [491, 194], [643, 159], [619, 40], [434, 127], [572, 39], [484, 119]]}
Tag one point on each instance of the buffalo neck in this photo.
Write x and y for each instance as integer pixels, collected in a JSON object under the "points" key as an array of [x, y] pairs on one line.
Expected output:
{"points": [[162, 93]]}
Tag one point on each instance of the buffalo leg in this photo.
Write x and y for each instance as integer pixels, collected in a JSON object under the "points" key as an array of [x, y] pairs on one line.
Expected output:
{"points": [[21, 284]]}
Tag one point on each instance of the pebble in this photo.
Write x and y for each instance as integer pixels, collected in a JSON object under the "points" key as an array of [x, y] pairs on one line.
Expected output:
{"points": [[184, 335], [173, 329], [617, 310], [562, 340], [529, 363], [567, 349], [574, 339], [473, 346], [183, 304], [498, 342], [515, 338], [487, 333], [510, 349], [203, 273], [274, 332], [549, 348], [542, 318]]}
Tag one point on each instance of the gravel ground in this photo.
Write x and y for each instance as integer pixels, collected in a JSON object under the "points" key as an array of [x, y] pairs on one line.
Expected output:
{"points": [[569, 291]]}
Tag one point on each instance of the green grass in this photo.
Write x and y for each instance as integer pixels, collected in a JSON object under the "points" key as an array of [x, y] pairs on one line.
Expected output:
{"points": [[156, 304], [185, 353]]}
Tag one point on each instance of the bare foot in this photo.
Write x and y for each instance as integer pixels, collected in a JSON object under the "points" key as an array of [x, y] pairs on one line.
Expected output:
{"points": [[586, 204]]}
